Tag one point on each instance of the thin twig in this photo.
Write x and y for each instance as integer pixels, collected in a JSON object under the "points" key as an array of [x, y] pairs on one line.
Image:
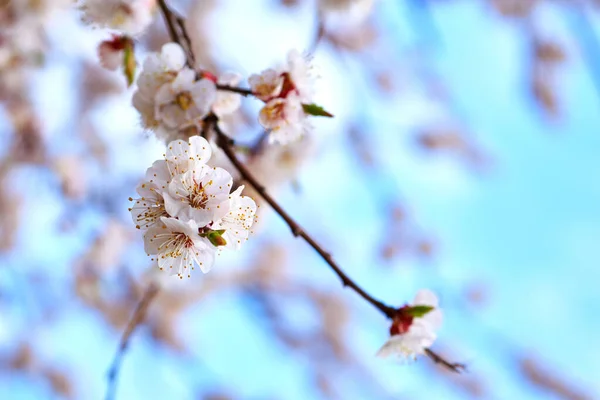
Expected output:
{"points": [[456, 367], [242, 91], [319, 33], [188, 41], [136, 319], [171, 19], [168, 15]]}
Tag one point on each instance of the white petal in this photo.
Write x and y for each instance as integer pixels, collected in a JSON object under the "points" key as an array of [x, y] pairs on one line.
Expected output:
{"points": [[204, 93], [189, 228], [426, 297], [199, 149], [184, 80], [154, 238], [172, 116], [229, 78], [266, 85], [159, 174], [394, 347], [402, 346], [434, 318], [174, 207], [204, 256], [164, 95], [173, 56]]}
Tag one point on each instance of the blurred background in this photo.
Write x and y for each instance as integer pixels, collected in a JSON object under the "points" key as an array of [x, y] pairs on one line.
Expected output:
{"points": [[463, 157]]}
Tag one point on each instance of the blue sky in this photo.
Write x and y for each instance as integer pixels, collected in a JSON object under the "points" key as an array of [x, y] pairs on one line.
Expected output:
{"points": [[527, 228]]}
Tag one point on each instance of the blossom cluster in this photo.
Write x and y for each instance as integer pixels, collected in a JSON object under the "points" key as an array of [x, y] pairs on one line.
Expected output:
{"points": [[285, 92], [173, 101], [188, 211]]}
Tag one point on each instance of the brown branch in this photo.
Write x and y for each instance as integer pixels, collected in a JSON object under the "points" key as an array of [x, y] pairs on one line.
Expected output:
{"points": [[168, 15], [227, 145], [173, 24], [242, 91], [136, 319], [181, 22]]}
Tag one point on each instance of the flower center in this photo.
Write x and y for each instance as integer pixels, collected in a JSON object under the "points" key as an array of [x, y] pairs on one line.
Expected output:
{"points": [[184, 100], [275, 112], [122, 14], [177, 244], [198, 197], [266, 88]]}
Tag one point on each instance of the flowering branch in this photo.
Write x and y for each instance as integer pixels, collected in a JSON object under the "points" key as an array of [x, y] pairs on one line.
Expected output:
{"points": [[136, 319], [227, 145]]}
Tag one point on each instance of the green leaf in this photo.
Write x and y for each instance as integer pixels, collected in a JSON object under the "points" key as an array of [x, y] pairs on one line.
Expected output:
{"points": [[418, 311], [317, 111], [129, 63]]}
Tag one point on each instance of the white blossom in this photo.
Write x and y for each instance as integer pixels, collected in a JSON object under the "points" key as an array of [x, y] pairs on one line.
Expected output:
{"points": [[238, 220], [184, 101], [285, 118], [150, 206], [178, 247], [127, 16], [170, 60], [285, 90], [415, 333], [200, 194], [301, 75], [267, 84], [158, 69], [227, 102], [187, 209], [183, 155]]}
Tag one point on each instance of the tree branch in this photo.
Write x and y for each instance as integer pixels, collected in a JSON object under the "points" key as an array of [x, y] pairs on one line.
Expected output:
{"points": [[136, 319], [227, 145]]}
